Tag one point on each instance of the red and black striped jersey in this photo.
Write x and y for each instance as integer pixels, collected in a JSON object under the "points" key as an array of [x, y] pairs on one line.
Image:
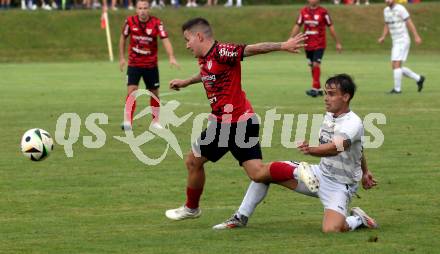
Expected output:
{"points": [[220, 70], [142, 49]]}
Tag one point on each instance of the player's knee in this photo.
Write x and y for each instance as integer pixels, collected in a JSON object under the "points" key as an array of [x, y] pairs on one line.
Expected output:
{"points": [[257, 176], [257, 172], [191, 162], [331, 229], [316, 64], [154, 91], [131, 89]]}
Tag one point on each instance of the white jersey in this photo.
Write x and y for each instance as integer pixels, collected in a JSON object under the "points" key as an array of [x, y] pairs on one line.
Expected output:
{"points": [[396, 17], [346, 166]]}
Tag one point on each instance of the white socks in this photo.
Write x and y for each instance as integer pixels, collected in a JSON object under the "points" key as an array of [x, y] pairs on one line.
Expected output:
{"points": [[353, 222], [397, 79], [255, 193], [410, 74]]}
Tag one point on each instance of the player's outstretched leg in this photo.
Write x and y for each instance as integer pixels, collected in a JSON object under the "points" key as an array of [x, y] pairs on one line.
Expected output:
{"points": [[255, 193], [281, 172], [420, 79], [194, 190]]}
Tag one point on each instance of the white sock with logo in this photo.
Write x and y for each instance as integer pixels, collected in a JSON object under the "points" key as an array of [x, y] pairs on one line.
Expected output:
{"points": [[255, 193], [410, 74], [397, 79], [353, 222]]}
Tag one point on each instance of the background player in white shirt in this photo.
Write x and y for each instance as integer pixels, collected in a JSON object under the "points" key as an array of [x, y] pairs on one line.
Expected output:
{"points": [[397, 22], [342, 165]]}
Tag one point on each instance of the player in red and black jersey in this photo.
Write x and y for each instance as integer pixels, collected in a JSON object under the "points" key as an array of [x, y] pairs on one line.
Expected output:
{"points": [[315, 20], [233, 127], [143, 30]]}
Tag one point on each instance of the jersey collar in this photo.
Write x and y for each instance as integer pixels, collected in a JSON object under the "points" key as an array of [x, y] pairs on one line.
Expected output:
{"points": [[340, 116], [210, 50], [139, 20]]}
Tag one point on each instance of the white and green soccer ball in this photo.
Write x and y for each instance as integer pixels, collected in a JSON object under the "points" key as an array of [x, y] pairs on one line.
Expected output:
{"points": [[36, 144]]}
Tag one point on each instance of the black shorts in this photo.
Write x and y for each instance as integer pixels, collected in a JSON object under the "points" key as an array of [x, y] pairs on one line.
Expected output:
{"points": [[149, 75], [315, 56], [242, 140]]}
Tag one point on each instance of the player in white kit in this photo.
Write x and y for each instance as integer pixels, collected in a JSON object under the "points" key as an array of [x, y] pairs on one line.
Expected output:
{"points": [[397, 22], [342, 166]]}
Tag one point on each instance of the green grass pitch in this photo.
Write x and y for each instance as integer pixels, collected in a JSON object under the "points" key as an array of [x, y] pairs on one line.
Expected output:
{"points": [[106, 201]]}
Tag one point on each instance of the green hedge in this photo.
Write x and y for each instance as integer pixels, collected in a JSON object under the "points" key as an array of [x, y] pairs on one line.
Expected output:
{"points": [[76, 35], [16, 3]]}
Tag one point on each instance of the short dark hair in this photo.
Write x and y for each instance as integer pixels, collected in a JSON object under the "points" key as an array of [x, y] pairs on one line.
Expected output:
{"points": [[198, 23], [344, 83]]}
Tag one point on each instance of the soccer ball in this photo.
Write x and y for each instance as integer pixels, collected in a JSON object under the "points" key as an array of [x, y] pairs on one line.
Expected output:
{"points": [[36, 144]]}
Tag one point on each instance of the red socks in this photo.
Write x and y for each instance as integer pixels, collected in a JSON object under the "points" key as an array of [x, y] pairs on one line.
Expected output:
{"points": [[280, 171], [128, 109], [155, 108], [316, 74], [193, 197]]}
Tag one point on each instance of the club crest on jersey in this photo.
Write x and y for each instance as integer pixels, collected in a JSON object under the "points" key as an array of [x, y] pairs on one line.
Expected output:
{"points": [[149, 31], [135, 29], [316, 16], [209, 64]]}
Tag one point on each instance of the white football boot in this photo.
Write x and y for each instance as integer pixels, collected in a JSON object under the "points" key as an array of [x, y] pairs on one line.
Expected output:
{"points": [[183, 213], [236, 221], [367, 221], [46, 7], [126, 126], [305, 174], [157, 125]]}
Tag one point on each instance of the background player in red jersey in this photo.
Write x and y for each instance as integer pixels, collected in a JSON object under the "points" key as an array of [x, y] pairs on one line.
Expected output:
{"points": [[233, 124], [315, 20], [143, 30]]}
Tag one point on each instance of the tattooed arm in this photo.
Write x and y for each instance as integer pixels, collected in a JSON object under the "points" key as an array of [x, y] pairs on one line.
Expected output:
{"points": [[292, 45]]}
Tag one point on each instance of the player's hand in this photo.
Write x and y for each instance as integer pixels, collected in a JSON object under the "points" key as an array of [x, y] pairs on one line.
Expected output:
{"points": [[293, 44], [339, 47], [304, 147], [122, 64], [418, 40], [368, 180], [174, 63], [381, 40], [176, 84]]}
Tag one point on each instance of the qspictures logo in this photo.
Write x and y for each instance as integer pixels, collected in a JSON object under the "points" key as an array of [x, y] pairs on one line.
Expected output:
{"points": [[170, 120]]}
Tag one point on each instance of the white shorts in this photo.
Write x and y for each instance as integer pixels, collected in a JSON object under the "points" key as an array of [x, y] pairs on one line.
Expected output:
{"points": [[333, 195], [400, 50]]}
